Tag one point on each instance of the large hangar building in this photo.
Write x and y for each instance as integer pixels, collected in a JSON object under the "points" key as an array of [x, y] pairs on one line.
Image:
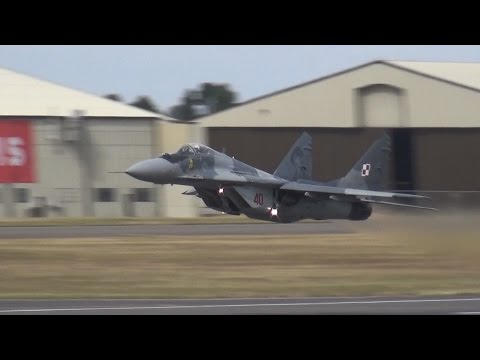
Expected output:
{"points": [[430, 109], [59, 149]]}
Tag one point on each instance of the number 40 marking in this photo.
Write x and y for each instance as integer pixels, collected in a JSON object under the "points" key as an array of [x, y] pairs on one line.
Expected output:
{"points": [[258, 199]]}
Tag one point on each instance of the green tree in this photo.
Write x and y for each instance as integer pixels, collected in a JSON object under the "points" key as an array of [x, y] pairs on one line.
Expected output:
{"points": [[207, 99], [114, 97], [217, 97], [145, 103]]}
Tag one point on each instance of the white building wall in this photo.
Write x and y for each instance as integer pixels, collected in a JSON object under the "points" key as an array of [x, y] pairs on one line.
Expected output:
{"points": [[170, 138], [118, 145], [115, 145]]}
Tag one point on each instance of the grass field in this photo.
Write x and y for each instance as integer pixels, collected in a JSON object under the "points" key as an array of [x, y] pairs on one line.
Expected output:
{"points": [[368, 263]]}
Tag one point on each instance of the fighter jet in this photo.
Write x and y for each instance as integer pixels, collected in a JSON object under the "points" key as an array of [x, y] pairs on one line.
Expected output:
{"points": [[230, 186]]}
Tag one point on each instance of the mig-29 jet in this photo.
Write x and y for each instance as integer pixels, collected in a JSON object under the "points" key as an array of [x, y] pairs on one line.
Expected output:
{"points": [[289, 194]]}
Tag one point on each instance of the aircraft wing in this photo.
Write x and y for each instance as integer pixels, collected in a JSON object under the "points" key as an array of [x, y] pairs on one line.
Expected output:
{"points": [[443, 191], [332, 190], [231, 178]]}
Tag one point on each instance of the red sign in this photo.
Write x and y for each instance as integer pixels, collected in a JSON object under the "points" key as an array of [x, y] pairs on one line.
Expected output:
{"points": [[17, 164]]}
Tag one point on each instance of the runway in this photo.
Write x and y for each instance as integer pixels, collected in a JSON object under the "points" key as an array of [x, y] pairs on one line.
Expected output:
{"points": [[45, 232], [440, 305]]}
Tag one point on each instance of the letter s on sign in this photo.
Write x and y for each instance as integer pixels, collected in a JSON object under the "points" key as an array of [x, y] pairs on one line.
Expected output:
{"points": [[16, 152]]}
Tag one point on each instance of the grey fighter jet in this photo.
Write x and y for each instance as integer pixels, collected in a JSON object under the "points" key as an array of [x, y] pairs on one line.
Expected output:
{"points": [[289, 194]]}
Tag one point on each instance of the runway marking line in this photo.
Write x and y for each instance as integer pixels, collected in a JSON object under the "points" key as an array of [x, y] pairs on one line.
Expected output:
{"points": [[238, 305], [468, 313]]}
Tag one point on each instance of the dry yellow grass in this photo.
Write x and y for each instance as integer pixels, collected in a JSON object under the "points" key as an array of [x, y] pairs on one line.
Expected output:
{"points": [[371, 263], [93, 221]]}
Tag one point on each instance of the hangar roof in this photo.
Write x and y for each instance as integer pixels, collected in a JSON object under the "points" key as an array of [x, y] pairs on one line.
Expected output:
{"points": [[464, 74], [23, 95], [437, 94]]}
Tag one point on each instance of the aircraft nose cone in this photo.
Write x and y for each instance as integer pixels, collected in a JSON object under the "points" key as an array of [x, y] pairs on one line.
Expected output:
{"points": [[137, 170], [158, 171]]}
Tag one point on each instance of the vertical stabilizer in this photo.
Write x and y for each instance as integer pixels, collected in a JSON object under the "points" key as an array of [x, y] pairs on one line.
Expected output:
{"points": [[370, 171], [297, 164]]}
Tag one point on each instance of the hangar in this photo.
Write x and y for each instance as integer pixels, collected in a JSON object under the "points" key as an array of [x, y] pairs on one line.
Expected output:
{"points": [[59, 149], [431, 110]]}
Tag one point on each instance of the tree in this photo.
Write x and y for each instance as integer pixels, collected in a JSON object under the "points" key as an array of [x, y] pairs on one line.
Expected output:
{"points": [[217, 97], [208, 99], [182, 112], [185, 110], [145, 103], [114, 97]]}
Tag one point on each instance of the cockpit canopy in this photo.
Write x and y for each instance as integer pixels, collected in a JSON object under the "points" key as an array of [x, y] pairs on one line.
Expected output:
{"points": [[188, 150]]}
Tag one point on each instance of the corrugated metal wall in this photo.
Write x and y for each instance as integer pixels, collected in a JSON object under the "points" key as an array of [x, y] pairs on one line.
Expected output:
{"points": [[448, 159], [442, 159], [111, 145]]}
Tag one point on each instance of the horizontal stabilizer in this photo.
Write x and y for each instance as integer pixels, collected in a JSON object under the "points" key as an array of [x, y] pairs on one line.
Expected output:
{"points": [[442, 191], [332, 190], [382, 194], [190, 192], [397, 204]]}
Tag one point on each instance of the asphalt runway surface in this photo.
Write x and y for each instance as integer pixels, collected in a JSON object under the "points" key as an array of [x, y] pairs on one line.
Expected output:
{"points": [[45, 232], [441, 305]]}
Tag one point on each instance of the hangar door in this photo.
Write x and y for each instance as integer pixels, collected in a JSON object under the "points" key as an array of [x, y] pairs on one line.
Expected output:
{"points": [[447, 159], [380, 105]]}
